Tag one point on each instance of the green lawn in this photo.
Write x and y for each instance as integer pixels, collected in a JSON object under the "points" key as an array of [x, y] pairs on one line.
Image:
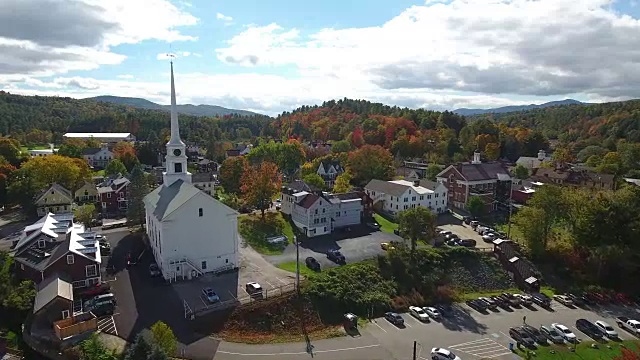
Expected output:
{"points": [[583, 351], [385, 225], [255, 231], [291, 267]]}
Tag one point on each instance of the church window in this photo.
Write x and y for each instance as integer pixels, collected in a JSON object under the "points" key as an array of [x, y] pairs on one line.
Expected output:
{"points": [[204, 265], [226, 261], [178, 167], [200, 212]]}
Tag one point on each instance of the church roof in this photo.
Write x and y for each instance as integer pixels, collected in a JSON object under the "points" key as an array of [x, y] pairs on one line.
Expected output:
{"points": [[167, 199]]}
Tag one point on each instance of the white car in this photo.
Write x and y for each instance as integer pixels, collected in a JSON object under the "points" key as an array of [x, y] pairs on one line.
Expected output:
{"points": [[565, 332], [443, 354], [433, 312], [524, 299], [563, 299], [607, 329], [418, 313]]}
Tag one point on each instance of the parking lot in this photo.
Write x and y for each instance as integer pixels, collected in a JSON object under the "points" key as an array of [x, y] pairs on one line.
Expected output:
{"points": [[449, 222], [473, 335]]}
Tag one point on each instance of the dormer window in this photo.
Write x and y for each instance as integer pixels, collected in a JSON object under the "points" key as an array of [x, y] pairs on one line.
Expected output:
{"points": [[42, 243]]}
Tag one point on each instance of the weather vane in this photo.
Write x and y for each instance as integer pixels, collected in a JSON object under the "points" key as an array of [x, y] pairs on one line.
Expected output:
{"points": [[171, 55]]}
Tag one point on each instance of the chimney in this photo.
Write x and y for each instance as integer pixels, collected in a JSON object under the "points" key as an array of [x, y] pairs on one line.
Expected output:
{"points": [[416, 183], [476, 158], [541, 155]]}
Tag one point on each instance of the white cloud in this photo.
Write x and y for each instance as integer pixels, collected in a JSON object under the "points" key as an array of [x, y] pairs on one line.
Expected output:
{"points": [[223, 17], [125, 76], [48, 37], [533, 48]]}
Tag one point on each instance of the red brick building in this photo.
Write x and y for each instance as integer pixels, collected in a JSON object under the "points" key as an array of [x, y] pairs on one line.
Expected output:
{"points": [[113, 195], [488, 180], [56, 247]]}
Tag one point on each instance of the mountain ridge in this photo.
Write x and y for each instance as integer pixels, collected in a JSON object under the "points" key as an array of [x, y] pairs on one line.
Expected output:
{"points": [[516, 108], [187, 109]]}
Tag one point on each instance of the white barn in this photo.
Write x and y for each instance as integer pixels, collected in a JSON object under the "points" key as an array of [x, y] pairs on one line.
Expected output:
{"points": [[190, 232], [102, 137]]}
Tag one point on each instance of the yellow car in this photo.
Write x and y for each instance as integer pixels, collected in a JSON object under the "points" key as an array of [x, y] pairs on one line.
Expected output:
{"points": [[387, 246]]}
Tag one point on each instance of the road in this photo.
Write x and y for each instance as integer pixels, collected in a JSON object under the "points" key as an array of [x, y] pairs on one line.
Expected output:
{"points": [[470, 335]]}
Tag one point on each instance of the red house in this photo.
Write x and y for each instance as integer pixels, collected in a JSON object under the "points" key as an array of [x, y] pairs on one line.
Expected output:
{"points": [[113, 195], [56, 247]]}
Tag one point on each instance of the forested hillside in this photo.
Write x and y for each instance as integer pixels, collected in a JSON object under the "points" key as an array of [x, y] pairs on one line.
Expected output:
{"points": [[38, 120]]}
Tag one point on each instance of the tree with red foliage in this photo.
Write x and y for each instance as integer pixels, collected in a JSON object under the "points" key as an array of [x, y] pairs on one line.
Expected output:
{"points": [[370, 162], [357, 137], [260, 184], [6, 170], [628, 354]]}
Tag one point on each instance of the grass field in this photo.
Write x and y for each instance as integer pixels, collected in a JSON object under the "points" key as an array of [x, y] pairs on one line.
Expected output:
{"points": [[385, 225], [255, 231], [291, 267], [582, 352]]}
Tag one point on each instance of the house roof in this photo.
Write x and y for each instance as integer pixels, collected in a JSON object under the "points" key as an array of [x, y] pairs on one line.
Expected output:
{"points": [[90, 151], [309, 200], [97, 135], [431, 185], [55, 187], [204, 162], [542, 173], [386, 187], [113, 183], [327, 165], [50, 289], [531, 162], [233, 152], [164, 200], [482, 171], [299, 185]]}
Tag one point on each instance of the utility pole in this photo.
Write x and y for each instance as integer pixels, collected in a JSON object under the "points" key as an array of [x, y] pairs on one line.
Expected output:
{"points": [[415, 348], [295, 241]]}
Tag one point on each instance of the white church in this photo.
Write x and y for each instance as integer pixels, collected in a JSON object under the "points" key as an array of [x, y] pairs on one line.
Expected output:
{"points": [[190, 232]]}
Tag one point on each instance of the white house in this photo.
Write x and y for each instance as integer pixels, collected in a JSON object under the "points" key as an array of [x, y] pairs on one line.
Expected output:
{"points": [[398, 195], [102, 137], [98, 157], [190, 232], [318, 213], [531, 162], [204, 181]]}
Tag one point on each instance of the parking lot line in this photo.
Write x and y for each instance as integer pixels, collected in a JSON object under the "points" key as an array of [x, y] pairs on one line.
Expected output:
{"points": [[407, 324], [268, 283], [282, 281], [416, 320], [470, 342], [376, 323]]}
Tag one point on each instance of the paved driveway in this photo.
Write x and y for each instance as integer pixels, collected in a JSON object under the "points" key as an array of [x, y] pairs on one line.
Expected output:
{"points": [[359, 244], [469, 334]]}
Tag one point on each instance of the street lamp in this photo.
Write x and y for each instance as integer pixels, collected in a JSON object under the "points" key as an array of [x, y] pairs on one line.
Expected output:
{"points": [[295, 242]]}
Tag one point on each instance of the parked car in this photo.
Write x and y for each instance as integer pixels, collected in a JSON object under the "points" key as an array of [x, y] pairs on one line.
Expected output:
{"points": [[467, 243], [490, 303], [537, 336], [418, 313], [478, 305], [575, 299], [607, 329], [488, 237], [94, 290], [102, 308], [467, 220], [564, 300], [336, 256], [444, 233], [312, 263], [394, 318], [512, 299], [565, 332], [443, 354], [154, 270], [525, 299], [373, 225], [590, 329], [211, 296], [552, 334], [521, 337], [254, 289], [631, 325], [541, 299], [433, 312], [91, 303]]}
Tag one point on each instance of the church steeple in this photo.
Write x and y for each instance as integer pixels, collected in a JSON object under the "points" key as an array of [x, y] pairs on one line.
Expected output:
{"points": [[176, 159]]}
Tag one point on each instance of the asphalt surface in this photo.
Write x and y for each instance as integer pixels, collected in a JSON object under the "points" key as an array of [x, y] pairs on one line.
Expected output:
{"points": [[359, 244], [471, 335]]}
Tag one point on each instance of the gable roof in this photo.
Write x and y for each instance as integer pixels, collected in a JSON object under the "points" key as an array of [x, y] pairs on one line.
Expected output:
{"points": [[386, 187], [299, 185], [431, 185], [326, 165], [480, 172], [57, 188], [202, 177], [51, 289], [309, 200], [164, 200]]}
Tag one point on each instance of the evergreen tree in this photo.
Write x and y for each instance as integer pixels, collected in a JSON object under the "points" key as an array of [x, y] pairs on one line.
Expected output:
{"points": [[157, 354], [141, 349], [138, 189]]}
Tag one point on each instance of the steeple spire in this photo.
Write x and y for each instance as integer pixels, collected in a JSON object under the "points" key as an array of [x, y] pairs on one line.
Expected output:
{"points": [[175, 127]]}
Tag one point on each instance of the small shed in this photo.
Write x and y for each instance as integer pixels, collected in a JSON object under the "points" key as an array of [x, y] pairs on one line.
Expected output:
{"points": [[54, 300]]}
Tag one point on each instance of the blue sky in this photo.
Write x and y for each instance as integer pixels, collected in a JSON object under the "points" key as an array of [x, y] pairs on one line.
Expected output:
{"points": [[272, 56]]}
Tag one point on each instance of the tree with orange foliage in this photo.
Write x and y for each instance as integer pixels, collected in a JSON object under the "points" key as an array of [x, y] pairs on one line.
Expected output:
{"points": [[260, 184], [6, 170], [370, 162], [125, 152], [492, 151]]}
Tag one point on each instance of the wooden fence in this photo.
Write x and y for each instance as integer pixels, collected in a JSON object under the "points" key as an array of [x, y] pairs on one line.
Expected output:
{"points": [[75, 325]]}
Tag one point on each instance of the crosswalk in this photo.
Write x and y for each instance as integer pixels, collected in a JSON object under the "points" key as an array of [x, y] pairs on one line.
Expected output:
{"points": [[483, 348], [107, 325]]}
